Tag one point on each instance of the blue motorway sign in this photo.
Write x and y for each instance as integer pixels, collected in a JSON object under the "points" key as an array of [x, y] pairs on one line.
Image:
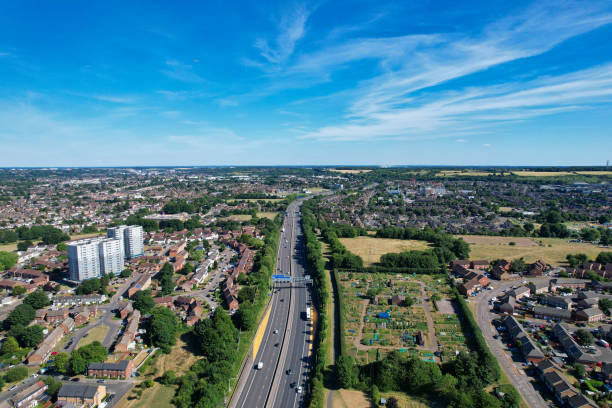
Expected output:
{"points": [[281, 277]]}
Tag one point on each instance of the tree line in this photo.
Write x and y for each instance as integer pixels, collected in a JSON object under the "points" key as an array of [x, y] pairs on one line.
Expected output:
{"points": [[316, 268], [46, 233]]}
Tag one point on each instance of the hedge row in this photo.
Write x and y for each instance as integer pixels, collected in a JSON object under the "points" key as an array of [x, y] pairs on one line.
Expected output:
{"points": [[316, 268]]}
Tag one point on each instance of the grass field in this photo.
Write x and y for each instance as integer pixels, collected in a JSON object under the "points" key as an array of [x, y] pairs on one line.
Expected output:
{"points": [[350, 171], [157, 397], [370, 249], [551, 250], [447, 173], [526, 173], [96, 334], [523, 173], [596, 173], [8, 247], [238, 217], [353, 399], [269, 215]]}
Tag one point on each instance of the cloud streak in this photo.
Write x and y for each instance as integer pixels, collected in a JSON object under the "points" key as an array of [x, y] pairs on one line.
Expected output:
{"points": [[404, 102], [291, 29]]}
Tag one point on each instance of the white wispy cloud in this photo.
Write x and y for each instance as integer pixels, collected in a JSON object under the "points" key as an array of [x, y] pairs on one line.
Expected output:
{"points": [[291, 29], [444, 114], [403, 103]]}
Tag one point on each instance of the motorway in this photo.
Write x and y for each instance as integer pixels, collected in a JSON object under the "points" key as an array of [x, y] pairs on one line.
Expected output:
{"points": [[284, 333]]}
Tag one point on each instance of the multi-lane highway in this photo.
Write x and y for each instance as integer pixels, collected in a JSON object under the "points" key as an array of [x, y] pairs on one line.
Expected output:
{"points": [[284, 344]]}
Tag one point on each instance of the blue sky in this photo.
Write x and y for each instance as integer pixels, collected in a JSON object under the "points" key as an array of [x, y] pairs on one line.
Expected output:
{"points": [[330, 82]]}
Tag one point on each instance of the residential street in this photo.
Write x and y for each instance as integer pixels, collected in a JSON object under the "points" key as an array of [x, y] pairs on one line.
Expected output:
{"points": [[517, 376]]}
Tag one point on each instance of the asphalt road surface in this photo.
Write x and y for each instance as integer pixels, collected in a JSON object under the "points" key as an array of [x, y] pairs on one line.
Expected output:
{"points": [[517, 376], [297, 359], [256, 390]]}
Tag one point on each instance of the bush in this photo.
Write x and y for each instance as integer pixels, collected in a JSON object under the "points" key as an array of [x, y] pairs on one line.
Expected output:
{"points": [[17, 373]]}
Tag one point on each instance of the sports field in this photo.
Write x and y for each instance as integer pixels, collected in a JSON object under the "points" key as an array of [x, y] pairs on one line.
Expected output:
{"points": [[550, 250], [370, 249]]}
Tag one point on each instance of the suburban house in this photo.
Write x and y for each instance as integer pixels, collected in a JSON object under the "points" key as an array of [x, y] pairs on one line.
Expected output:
{"points": [[125, 342], [500, 273], [520, 292], [537, 288], [67, 325], [566, 283], [77, 300], [537, 268], [82, 393], [125, 309], [558, 301], [54, 316], [551, 313], [530, 351], [42, 353], [120, 369], [29, 397], [590, 315], [480, 265], [508, 305]]}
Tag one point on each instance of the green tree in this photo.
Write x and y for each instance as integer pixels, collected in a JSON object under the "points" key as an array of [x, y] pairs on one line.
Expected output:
{"points": [[37, 300], [579, 370], [18, 290], [518, 266], [604, 257], [169, 378], [584, 337], [62, 362], [605, 305], [31, 336], [143, 301], [163, 328], [590, 234], [246, 316], [24, 245], [62, 247], [165, 279], [126, 273], [9, 347], [16, 373], [346, 369], [81, 357], [21, 315], [53, 386], [89, 286], [7, 260]]}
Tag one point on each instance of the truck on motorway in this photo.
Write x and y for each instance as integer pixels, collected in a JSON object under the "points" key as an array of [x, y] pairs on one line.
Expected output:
{"points": [[308, 313]]}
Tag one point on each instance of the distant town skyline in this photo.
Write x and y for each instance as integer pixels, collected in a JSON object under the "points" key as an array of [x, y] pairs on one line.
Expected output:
{"points": [[524, 83]]}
